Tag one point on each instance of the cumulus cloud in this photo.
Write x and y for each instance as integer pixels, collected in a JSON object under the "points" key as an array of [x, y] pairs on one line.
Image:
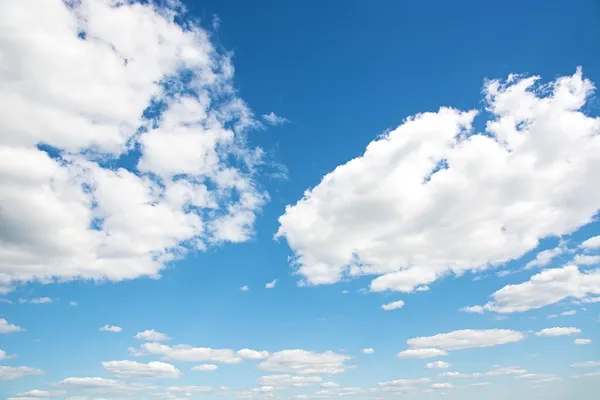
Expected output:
{"points": [[285, 380], [103, 385], [39, 394], [183, 352], [437, 365], [582, 341], [244, 288], [394, 305], [466, 339], [248, 354], [544, 257], [421, 353], [368, 350], [5, 327], [10, 373], [545, 288], [304, 362], [5, 356], [558, 331], [395, 211], [582, 259], [271, 285], [111, 328], [151, 335], [96, 81], [591, 243], [133, 369], [205, 367], [274, 119], [439, 386]]}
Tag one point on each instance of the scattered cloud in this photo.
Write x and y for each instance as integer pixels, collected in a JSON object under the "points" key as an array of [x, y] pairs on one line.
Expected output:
{"points": [[5, 327], [248, 354], [544, 257], [557, 331], [586, 364], [73, 303], [205, 367], [439, 386], [133, 369], [583, 341], [273, 119], [473, 309], [583, 259], [437, 365], [394, 305], [368, 350], [303, 362], [466, 339], [111, 328], [285, 380], [422, 353], [39, 300], [244, 288], [271, 285], [151, 336], [183, 352], [414, 190], [591, 243], [10, 373], [5, 356]]}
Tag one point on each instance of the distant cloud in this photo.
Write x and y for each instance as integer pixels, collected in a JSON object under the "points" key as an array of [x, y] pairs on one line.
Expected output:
{"points": [[368, 350], [134, 369], [274, 119], [558, 331], [5, 327], [271, 285], [205, 367], [5, 356], [73, 303], [151, 335], [583, 341], [111, 328], [39, 300], [244, 288], [394, 305], [437, 365], [10, 373]]}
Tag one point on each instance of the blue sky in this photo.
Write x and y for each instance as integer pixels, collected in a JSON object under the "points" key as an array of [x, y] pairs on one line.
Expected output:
{"points": [[299, 200]]}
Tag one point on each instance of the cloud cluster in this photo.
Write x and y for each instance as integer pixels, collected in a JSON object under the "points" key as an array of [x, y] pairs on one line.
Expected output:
{"points": [[133, 369], [396, 211], [122, 143], [304, 362]]}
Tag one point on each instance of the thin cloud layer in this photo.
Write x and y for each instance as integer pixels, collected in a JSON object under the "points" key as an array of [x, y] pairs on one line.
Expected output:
{"points": [[395, 211]]}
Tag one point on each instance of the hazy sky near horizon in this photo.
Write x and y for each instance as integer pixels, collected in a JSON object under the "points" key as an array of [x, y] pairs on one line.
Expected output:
{"points": [[299, 200]]}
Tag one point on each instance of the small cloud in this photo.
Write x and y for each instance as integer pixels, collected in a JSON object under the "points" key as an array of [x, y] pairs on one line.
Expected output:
{"points": [[345, 291], [582, 341], [39, 300], [73, 303], [111, 328], [5, 356], [205, 367], [7, 301], [437, 365], [473, 309], [271, 285], [150, 335], [394, 305], [244, 288], [368, 350], [274, 119], [568, 313], [6, 327]]}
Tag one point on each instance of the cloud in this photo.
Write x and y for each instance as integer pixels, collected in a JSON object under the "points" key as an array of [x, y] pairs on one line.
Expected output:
{"points": [[368, 350], [329, 385], [152, 336], [244, 288], [73, 303], [285, 380], [5, 327], [544, 257], [399, 383], [500, 371], [396, 211], [437, 365], [582, 341], [442, 386], [133, 369], [304, 362], [586, 364], [10, 373], [274, 119], [473, 309], [545, 288], [144, 88], [271, 285], [40, 300], [103, 385], [466, 339], [205, 367], [591, 243], [394, 305], [581, 259], [111, 328], [183, 352], [5, 356], [39, 394], [481, 384], [558, 331], [421, 353], [248, 354]]}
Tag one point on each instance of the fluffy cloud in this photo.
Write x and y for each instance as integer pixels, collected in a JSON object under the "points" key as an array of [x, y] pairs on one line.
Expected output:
{"points": [[188, 353], [591, 243], [368, 350], [10, 373], [439, 386], [133, 369], [5, 327], [5, 356], [437, 365], [111, 328], [274, 119], [95, 81], [394, 305], [248, 354], [151, 336], [582, 259], [544, 257], [582, 341], [39, 394], [466, 339], [244, 288], [422, 353], [396, 211], [500, 371], [305, 362], [205, 367], [271, 285], [285, 380], [545, 288], [558, 331], [102, 385], [40, 300], [404, 382]]}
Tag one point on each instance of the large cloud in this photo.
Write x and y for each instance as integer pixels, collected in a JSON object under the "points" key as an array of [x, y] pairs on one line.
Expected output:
{"points": [[434, 197], [89, 86]]}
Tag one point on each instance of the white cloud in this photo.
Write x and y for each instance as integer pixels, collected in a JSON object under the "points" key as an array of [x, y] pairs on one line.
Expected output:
{"points": [[467, 339], [9, 373], [544, 257], [421, 353], [398, 383], [111, 328], [395, 211], [183, 352], [285, 380], [5, 356], [305, 362], [329, 385], [5, 327], [368, 350], [473, 309], [103, 385], [481, 384], [182, 392], [194, 183], [248, 354], [582, 341], [545, 288], [271, 285], [151, 335], [244, 288], [568, 313], [499, 371], [205, 367], [591, 243], [437, 365], [394, 305], [558, 331], [442, 386], [73, 303], [133, 369], [586, 364], [582, 259], [39, 394], [40, 300], [274, 119]]}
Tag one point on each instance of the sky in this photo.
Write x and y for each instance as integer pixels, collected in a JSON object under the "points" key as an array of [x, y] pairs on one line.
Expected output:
{"points": [[299, 200]]}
